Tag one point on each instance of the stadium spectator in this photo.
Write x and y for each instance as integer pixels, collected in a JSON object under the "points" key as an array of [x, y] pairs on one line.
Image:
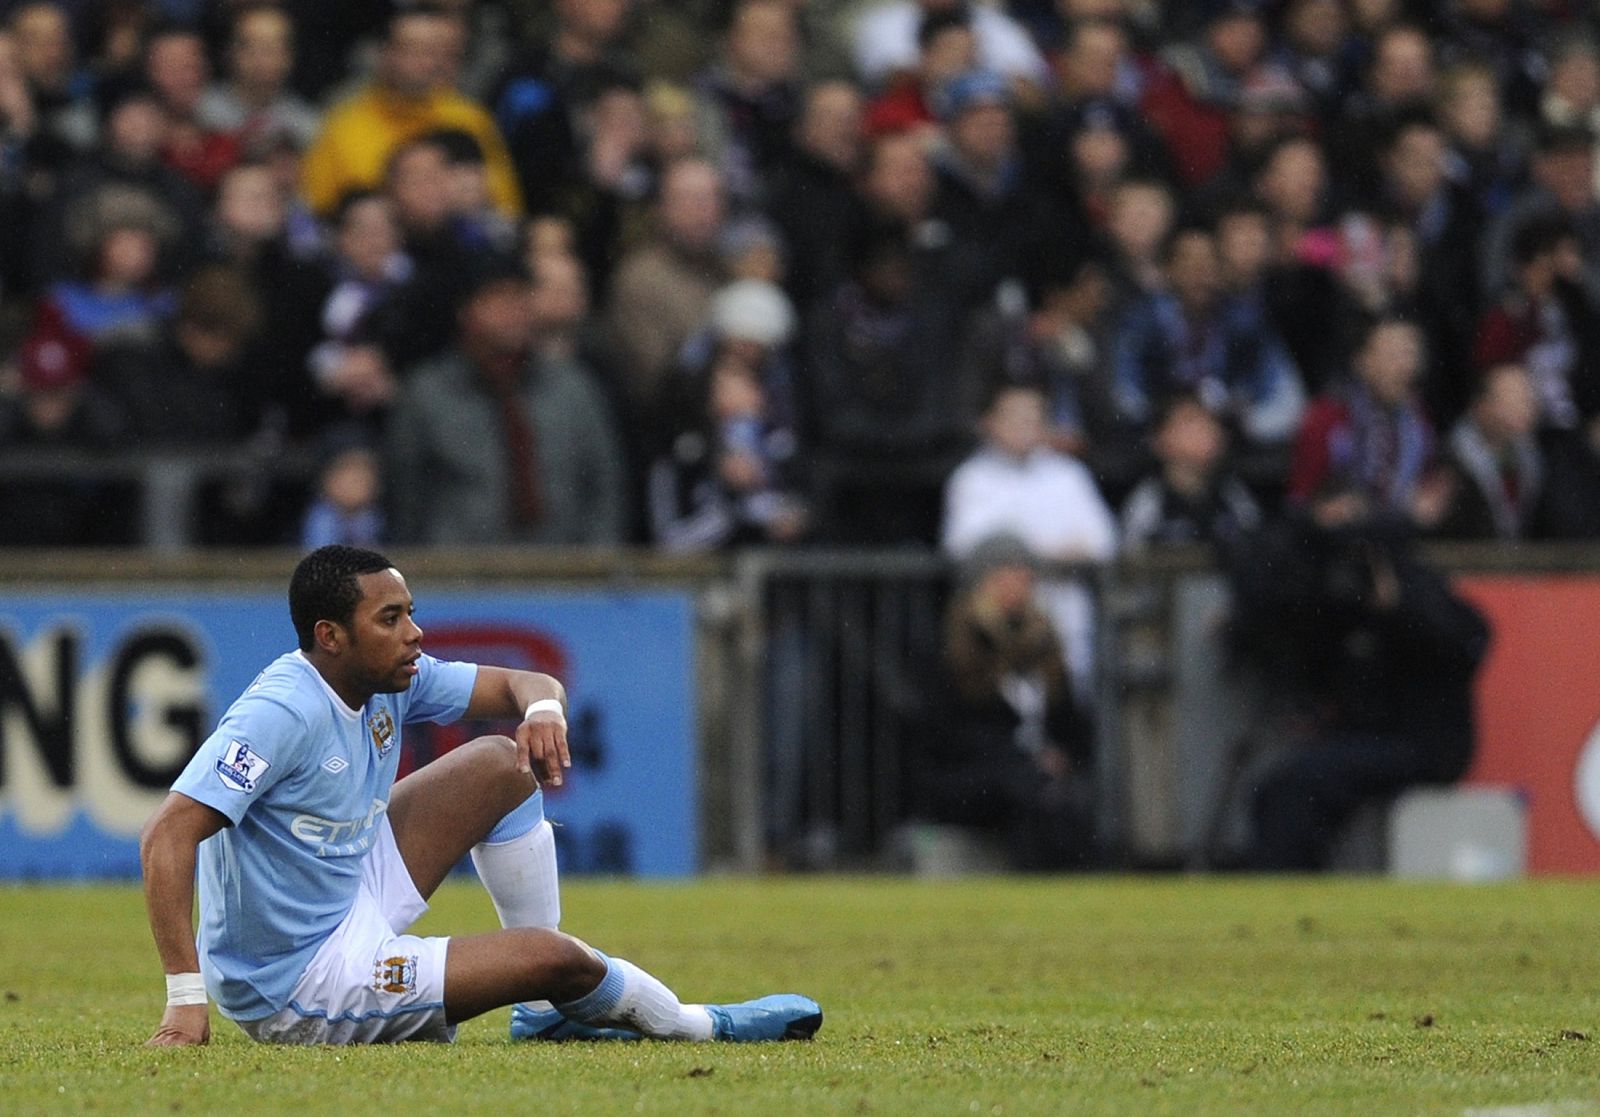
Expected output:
{"points": [[1572, 95], [1314, 50], [1015, 483], [749, 99], [1497, 469], [178, 70], [478, 225], [367, 272], [1547, 321], [1198, 84], [812, 198], [1486, 159], [409, 96], [1194, 336], [1398, 82], [1371, 654], [946, 49], [1191, 498], [1070, 335], [61, 89], [129, 156], [662, 290], [121, 295], [1139, 222], [493, 443], [348, 508], [549, 87], [1012, 754], [886, 41], [255, 102], [198, 387], [57, 408], [1563, 184], [1370, 436]]}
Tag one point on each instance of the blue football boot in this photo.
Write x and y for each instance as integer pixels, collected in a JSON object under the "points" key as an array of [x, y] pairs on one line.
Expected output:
{"points": [[550, 1026], [781, 1016]]}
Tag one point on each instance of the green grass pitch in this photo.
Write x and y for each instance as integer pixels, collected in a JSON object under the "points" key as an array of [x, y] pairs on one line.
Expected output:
{"points": [[1094, 996]]}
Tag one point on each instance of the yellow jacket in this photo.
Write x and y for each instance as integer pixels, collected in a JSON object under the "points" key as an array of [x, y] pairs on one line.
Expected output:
{"points": [[358, 136]]}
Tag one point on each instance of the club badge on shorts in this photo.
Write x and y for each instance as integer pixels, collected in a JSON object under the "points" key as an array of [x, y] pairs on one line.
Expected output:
{"points": [[395, 975], [381, 726]]}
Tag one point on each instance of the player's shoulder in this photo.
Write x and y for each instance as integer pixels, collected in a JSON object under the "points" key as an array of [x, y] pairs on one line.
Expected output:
{"points": [[283, 696]]}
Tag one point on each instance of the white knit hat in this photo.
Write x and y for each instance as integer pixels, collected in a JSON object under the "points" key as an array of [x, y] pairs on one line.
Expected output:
{"points": [[753, 310]]}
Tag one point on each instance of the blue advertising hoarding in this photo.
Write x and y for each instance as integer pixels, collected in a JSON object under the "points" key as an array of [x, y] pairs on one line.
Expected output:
{"points": [[105, 695]]}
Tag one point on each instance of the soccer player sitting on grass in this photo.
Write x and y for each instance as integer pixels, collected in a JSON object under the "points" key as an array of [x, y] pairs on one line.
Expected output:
{"points": [[314, 861]]}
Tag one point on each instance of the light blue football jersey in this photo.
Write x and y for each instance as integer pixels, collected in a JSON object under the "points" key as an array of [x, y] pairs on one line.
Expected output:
{"points": [[304, 779]]}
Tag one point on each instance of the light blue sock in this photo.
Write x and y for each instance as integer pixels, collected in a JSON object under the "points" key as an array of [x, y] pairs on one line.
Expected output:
{"points": [[528, 814], [597, 1005]]}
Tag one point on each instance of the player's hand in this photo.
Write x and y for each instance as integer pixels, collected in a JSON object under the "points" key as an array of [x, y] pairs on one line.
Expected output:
{"points": [[542, 747], [183, 1026]]}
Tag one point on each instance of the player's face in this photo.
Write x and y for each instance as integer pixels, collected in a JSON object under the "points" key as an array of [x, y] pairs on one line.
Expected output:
{"points": [[384, 640]]}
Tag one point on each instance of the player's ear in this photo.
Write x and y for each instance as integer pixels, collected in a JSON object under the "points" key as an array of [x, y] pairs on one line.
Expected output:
{"points": [[330, 636]]}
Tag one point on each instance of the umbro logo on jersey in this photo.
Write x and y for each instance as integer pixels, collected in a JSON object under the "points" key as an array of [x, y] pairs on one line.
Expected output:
{"points": [[335, 764]]}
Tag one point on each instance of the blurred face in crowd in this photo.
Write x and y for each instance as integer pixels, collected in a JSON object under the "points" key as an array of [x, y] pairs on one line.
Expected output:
{"points": [[1193, 272], [1390, 361], [830, 129], [1568, 173], [763, 42], [368, 236], [1089, 68], [899, 182], [1508, 407], [1316, 27], [136, 130], [593, 21], [1575, 78], [177, 68], [44, 39], [419, 185], [560, 299], [1190, 439], [351, 480], [1099, 155], [1293, 181], [417, 55], [1237, 41], [1015, 421], [984, 135], [1403, 67], [548, 235], [691, 207], [468, 187], [952, 51], [499, 318], [1008, 587], [1141, 217], [1244, 242], [16, 100], [1416, 164], [1471, 109], [261, 52], [250, 204], [128, 256]]}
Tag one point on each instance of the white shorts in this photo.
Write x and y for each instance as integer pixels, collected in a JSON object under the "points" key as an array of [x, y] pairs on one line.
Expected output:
{"points": [[368, 982]]}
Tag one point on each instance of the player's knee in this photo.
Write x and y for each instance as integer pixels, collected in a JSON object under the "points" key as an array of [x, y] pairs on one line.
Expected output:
{"points": [[495, 756], [574, 970]]}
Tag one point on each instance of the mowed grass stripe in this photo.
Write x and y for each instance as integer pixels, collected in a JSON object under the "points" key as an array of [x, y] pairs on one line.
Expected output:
{"points": [[1095, 996]]}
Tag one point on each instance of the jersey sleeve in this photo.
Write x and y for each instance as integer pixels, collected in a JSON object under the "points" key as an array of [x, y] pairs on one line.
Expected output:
{"points": [[258, 743], [441, 690]]}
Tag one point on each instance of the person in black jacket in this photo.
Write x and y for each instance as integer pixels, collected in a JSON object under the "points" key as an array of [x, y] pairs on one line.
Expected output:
{"points": [[1336, 609], [1012, 752]]}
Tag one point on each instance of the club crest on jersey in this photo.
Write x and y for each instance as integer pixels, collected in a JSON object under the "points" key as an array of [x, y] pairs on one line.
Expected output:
{"points": [[382, 727], [395, 975], [240, 767]]}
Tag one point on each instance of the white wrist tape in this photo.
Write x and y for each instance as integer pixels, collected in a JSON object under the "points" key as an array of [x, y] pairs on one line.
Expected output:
{"points": [[185, 989], [545, 706]]}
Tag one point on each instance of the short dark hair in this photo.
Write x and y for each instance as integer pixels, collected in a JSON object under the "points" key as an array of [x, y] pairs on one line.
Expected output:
{"points": [[324, 587]]}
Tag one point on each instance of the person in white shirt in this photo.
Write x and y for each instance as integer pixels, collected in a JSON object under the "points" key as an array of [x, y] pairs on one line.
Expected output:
{"points": [[1014, 483], [886, 41]]}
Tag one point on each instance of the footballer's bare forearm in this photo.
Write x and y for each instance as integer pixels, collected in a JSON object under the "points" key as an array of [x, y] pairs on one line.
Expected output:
{"points": [[168, 850], [503, 693]]}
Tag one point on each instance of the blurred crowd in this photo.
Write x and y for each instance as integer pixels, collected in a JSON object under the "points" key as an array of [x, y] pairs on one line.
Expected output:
{"points": [[1105, 274]]}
